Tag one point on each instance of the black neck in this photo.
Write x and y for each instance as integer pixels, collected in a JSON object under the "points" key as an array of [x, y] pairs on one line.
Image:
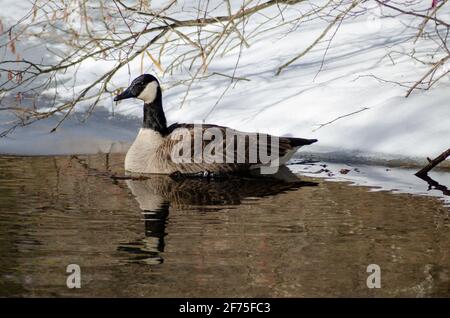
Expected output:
{"points": [[154, 117]]}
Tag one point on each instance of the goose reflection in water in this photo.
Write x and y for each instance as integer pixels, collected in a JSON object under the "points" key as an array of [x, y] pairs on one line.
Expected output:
{"points": [[159, 193]]}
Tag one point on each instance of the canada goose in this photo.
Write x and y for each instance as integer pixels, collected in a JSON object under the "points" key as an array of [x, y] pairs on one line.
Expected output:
{"points": [[155, 144]]}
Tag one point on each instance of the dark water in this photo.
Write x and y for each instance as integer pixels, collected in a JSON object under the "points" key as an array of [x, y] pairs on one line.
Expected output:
{"points": [[240, 237]]}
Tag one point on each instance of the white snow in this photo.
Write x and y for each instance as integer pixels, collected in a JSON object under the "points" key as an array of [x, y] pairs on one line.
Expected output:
{"points": [[294, 103]]}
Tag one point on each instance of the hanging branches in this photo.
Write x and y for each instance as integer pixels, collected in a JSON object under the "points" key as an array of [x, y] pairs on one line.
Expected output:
{"points": [[338, 18], [71, 36], [110, 31]]}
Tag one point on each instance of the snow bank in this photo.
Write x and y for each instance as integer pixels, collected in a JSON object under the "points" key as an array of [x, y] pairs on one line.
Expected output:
{"points": [[385, 124]]}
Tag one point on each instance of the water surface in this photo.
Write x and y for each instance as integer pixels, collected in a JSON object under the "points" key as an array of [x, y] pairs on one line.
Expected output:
{"points": [[253, 237]]}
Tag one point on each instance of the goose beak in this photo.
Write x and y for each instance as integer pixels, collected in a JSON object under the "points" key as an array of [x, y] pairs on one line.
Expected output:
{"points": [[124, 95]]}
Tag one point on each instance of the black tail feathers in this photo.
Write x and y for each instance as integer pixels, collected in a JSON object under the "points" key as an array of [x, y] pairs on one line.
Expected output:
{"points": [[296, 142]]}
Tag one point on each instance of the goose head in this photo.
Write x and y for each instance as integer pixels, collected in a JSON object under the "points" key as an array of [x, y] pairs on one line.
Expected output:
{"points": [[145, 87]]}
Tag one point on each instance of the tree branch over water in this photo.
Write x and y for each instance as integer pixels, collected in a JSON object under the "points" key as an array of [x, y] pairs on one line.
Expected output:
{"points": [[73, 36]]}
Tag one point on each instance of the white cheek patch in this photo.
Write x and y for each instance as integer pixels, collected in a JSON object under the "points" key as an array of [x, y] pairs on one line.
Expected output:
{"points": [[148, 95]]}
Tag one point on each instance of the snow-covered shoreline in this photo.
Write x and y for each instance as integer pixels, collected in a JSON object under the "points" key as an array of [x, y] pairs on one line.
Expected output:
{"points": [[384, 125], [376, 177]]}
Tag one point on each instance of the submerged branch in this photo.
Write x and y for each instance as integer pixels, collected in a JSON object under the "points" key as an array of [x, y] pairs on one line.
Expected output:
{"points": [[433, 163]]}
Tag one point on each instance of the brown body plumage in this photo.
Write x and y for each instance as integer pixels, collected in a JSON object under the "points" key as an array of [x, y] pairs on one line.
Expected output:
{"points": [[157, 147]]}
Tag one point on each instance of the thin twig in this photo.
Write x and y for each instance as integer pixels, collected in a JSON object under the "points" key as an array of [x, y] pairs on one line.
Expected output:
{"points": [[320, 37], [340, 117]]}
